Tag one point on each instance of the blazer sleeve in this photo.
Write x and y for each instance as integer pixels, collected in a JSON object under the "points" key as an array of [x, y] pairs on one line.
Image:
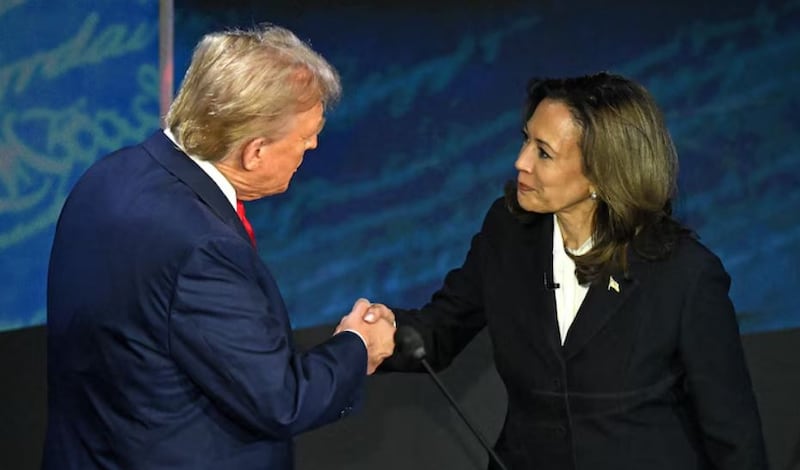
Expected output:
{"points": [[718, 380], [455, 313], [227, 337]]}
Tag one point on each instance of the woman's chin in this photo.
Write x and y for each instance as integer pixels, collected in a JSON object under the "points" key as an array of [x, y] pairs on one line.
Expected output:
{"points": [[527, 204]]}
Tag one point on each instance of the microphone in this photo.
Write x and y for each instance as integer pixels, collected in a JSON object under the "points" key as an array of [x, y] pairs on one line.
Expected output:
{"points": [[409, 343], [548, 284]]}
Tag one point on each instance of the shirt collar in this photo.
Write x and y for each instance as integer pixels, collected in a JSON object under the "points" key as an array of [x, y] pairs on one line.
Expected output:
{"points": [[224, 185]]}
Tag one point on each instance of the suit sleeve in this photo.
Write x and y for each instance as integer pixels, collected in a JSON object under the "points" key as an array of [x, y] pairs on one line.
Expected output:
{"points": [[227, 337], [718, 380]]}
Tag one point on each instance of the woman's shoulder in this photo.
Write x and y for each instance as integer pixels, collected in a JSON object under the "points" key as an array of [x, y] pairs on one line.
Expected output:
{"points": [[505, 226], [498, 211], [691, 253]]}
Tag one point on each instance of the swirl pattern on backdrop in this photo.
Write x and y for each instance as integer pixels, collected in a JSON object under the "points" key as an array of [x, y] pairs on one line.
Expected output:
{"points": [[425, 135]]}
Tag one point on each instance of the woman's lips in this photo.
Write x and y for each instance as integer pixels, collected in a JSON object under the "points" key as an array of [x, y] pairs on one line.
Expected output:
{"points": [[523, 187]]}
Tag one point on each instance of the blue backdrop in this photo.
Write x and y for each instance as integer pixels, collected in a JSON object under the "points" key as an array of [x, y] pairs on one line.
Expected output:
{"points": [[425, 135], [77, 80]]}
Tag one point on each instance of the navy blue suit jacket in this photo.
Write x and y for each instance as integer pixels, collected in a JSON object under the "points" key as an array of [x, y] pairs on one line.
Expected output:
{"points": [[169, 345]]}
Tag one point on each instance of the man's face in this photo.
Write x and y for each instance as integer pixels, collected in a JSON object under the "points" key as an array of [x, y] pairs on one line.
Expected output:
{"points": [[279, 159]]}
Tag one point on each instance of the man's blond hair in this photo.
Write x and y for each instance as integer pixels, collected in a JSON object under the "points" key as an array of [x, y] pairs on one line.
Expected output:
{"points": [[244, 84]]}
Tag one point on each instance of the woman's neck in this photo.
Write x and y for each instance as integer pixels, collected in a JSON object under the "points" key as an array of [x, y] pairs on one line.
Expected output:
{"points": [[576, 227]]}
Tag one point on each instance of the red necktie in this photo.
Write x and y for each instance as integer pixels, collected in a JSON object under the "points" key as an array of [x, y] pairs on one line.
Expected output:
{"points": [[248, 228]]}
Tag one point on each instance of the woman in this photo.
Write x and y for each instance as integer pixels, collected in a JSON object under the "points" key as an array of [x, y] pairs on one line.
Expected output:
{"points": [[611, 325]]}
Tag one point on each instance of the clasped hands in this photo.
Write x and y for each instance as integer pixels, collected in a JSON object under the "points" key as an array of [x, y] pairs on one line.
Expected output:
{"points": [[376, 326]]}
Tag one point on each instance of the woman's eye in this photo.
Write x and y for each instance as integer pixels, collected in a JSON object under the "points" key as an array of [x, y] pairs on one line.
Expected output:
{"points": [[542, 154]]}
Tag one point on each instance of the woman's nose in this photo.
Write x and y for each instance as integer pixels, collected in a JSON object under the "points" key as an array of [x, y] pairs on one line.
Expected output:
{"points": [[525, 160]]}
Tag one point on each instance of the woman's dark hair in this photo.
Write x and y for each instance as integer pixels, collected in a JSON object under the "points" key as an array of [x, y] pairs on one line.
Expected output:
{"points": [[630, 160]]}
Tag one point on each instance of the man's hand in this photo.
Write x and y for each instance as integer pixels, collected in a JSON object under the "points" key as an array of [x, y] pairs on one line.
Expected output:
{"points": [[377, 312], [378, 335]]}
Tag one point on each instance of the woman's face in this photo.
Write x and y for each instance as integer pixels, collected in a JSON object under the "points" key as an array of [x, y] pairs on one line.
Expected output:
{"points": [[551, 178]]}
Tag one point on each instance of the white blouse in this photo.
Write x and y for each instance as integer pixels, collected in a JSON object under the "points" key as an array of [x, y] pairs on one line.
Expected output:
{"points": [[569, 294]]}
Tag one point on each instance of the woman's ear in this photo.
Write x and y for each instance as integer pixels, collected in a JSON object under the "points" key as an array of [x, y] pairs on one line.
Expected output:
{"points": [[253, 154]]}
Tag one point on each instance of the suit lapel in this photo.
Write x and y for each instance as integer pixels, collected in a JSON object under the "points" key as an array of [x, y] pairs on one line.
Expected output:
{"points": [[604, 298], [179, 164]]}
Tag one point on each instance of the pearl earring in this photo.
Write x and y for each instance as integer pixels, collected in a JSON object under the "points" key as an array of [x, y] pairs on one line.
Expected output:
{"points": [[593, 196]]}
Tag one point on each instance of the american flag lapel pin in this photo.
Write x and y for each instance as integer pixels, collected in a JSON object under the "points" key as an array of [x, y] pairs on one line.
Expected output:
{"points": [[613, 284]]}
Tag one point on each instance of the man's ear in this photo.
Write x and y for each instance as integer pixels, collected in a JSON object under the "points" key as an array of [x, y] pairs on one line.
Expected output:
{"points": [[252, 154]]}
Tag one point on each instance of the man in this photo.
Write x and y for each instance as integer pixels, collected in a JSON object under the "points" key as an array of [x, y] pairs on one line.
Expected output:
{"points": [[169, 345]]}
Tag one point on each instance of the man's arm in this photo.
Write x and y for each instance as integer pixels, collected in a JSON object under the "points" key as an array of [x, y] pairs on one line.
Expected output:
{"points": [[231, 341]]}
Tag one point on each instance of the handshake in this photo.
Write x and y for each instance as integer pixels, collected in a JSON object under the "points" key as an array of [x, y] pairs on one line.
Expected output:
{"points": [[375, 324]]}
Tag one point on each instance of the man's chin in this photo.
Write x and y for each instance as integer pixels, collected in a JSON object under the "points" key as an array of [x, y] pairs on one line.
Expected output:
{"points": [[275, 190]]}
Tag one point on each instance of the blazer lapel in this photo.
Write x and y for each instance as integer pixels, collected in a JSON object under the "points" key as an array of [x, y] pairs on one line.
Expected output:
{"points": [[536, 268], [603, 300], [179, 164]]}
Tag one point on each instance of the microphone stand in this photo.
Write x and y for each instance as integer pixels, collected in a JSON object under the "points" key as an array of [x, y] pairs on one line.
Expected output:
{"points": [[472, 428]]}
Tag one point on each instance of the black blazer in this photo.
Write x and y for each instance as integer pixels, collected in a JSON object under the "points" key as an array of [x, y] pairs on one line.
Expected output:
{"points": [[651, 376]]}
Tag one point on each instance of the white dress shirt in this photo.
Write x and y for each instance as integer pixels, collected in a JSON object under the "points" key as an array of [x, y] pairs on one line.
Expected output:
{"points": [[570, 294]]}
